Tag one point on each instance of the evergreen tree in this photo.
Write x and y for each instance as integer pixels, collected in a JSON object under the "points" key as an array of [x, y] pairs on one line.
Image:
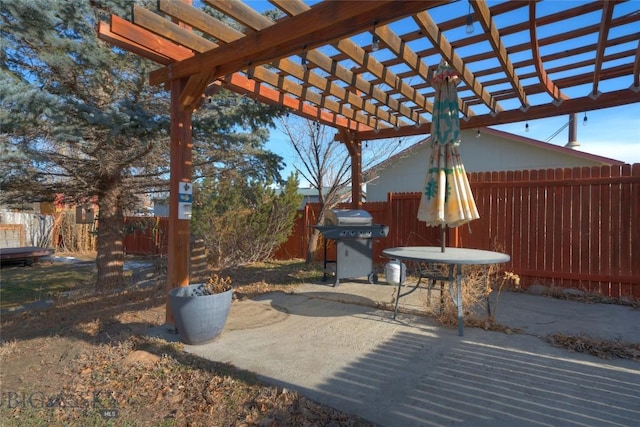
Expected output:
{"points": [[79, 118]]}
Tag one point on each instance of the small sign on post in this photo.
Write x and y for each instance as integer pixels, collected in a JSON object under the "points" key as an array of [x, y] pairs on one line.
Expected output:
{"points": [[185, 197]]}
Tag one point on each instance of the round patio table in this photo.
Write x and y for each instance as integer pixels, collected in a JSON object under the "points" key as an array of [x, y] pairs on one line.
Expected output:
{"points": [[453, 257]]}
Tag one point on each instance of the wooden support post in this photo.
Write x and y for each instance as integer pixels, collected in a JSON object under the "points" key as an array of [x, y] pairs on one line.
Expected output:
{"points": [[356, 175], [354, 146], [180, 173]]}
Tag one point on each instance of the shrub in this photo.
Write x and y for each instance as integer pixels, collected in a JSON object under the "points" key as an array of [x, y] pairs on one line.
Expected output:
{"points": [[243, 222]]}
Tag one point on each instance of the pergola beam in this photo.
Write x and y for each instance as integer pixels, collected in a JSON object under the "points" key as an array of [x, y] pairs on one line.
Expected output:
{"points": [[105, 33], [573, 105]]}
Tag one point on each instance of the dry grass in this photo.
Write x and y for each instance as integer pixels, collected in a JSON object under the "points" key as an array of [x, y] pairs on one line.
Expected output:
{"points": [[478, 282], [603, 349]]}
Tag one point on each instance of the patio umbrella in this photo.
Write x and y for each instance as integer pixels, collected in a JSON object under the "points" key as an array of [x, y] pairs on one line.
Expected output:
{"points": [[446, 198]]}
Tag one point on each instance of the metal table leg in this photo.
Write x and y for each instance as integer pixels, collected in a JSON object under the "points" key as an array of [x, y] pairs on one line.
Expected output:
{"points": [[398, 295], [459, 285], [457, 295]]}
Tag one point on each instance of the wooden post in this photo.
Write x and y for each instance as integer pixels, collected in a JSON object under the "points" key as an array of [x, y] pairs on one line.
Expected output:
{"points": [[354, 146], [356, 175], [180, 173]]}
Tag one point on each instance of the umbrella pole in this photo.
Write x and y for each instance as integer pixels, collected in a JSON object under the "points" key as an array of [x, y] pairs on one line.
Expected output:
{"points": [[443, 237]]}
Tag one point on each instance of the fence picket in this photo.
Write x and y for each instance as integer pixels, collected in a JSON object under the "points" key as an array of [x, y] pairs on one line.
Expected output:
{"points": [[567, 224]]}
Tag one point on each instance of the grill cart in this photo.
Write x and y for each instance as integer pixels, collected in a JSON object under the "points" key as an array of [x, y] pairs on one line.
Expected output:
{"points": [[354, 231]]}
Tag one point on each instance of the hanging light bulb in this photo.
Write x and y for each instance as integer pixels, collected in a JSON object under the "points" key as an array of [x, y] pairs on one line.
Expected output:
{"points": [[303, 60], [250, 71], [478, 134], [526, 127], [375, 40], [375, 43], [469, 27], [584, 121]]}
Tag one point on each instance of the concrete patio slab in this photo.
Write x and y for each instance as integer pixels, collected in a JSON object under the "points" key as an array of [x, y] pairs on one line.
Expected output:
{"points": [[333, 345]]}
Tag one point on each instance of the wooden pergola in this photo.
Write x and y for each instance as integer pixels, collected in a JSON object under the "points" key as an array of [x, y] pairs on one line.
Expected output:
{"points": [[364, 67]]}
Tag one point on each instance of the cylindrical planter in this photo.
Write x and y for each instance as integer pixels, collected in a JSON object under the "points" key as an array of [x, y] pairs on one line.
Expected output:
{"points": [[199, 319]]}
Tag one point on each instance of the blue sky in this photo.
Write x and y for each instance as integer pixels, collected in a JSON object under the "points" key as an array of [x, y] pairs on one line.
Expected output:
{"points": [[611, 132]]}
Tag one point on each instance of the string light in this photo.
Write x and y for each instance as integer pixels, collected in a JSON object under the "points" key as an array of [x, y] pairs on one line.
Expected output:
{"points": [[469, 27], [375, 43], [303, 60], [375, 40], [584, 121], [526, 127]]}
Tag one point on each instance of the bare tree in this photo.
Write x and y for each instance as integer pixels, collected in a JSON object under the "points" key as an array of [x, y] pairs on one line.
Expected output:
{"points": [[324, 162]]}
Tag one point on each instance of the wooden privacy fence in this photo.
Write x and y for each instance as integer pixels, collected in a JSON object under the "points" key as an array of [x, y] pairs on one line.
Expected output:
{"points": [[146, 235], [570, 228], [575, 228]]}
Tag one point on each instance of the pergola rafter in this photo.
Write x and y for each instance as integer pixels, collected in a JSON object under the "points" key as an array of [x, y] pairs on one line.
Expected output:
{"points": [[603, 33], [499, 49]]}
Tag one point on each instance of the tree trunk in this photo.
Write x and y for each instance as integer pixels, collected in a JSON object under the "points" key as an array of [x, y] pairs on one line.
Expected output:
{"points": [[110, 255], [312, 247]]}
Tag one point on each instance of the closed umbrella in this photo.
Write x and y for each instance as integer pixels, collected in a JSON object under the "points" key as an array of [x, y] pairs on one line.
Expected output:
{"points": [[446, 197]]}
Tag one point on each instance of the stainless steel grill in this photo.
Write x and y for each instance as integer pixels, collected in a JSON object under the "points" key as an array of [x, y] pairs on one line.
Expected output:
{"points": [[354, 231]]}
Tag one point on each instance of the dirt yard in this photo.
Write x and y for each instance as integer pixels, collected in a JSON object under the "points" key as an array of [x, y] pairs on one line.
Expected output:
{"points": [[88, 361]]}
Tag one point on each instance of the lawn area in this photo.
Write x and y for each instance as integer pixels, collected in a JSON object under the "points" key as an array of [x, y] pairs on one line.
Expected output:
{"points": [[44, 280]]}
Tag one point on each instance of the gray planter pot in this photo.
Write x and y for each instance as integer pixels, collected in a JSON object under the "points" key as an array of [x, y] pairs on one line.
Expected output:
{"points": [[199, 319]]}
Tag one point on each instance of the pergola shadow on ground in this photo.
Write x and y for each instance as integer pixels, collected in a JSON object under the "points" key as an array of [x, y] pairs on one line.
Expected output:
{"points": [[422, 382]]}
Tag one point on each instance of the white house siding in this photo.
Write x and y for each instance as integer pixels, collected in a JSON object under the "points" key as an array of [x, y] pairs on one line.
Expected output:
{"points": [[37, 228], [492, 151]]}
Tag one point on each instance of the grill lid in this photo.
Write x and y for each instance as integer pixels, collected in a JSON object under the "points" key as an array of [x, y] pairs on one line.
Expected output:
{"points": [[348, 217]]}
